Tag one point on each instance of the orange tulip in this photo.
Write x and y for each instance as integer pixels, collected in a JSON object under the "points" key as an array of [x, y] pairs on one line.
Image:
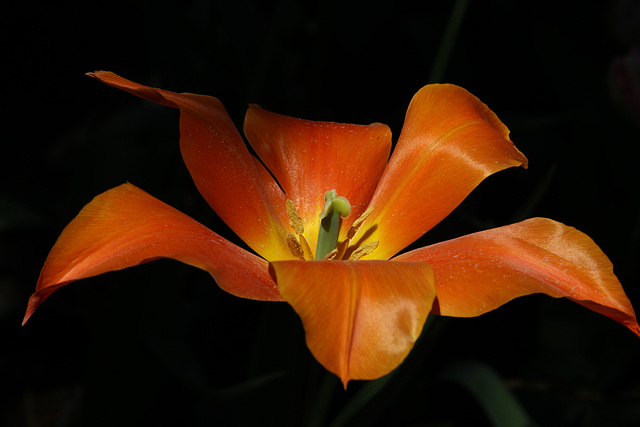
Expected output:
{"points": [[327, 210]]}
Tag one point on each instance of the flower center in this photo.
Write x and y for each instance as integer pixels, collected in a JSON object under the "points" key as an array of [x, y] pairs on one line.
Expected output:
{"points": [[335, 209]]}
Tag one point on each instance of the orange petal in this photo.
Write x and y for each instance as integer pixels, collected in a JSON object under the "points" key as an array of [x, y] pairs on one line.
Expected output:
{"points": [[479, 272], [450, 142], [309, 158], [221, 166], [125, 226], [361, 318]]}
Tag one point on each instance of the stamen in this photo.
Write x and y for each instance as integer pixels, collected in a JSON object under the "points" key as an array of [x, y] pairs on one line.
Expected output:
{"points": [[358, 223], [294, 246], [363, 250], [331, 255], [294, 218], [342, 248]]}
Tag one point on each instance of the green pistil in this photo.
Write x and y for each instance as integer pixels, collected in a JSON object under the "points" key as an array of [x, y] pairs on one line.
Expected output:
{"points": [[335, 208]]}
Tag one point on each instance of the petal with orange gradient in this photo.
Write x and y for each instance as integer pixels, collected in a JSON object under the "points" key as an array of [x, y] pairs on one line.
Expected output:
{"points": [[449, 143], [361, 318], [126, 226], [479, 272], [221, 166], [309, 158]]}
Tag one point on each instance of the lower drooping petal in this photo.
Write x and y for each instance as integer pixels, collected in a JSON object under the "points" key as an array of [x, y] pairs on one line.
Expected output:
{"points": [[361, 318], [449, 143], [126, 226], [479, 272]]}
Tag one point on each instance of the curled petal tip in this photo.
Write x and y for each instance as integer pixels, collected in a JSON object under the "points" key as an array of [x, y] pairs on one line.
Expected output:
{"points": [[101, 75]]}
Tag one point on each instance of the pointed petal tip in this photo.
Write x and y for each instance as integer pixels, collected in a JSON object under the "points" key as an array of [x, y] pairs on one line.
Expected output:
{"points": [[345, 381], [27, 315], [634, 327], [525, 161], [100, 74], [34, 302]]}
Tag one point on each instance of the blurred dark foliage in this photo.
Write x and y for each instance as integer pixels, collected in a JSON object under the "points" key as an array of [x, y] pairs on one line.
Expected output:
{"points": [[162, 345]]}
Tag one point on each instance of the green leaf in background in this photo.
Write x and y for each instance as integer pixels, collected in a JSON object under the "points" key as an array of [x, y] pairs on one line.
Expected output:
{"points": [[490, 391]]}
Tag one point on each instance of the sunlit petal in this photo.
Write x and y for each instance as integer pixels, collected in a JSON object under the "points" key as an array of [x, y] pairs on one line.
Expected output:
{"points": [[361, 318], [125, 226], [309, 158], [450, 142], [221, 166], [481, 271]]}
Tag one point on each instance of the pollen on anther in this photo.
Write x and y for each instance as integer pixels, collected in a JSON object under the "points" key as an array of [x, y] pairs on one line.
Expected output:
{"points": [[363, 250], [331, 255], [294, 246], [358, 223], [294, 217]]}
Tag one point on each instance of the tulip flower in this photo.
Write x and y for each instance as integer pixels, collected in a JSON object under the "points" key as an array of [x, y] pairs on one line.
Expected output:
{"points": [[326, 211]]}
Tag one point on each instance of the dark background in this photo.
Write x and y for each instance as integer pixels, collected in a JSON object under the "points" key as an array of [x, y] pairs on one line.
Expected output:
{"points": [[162, 345]]}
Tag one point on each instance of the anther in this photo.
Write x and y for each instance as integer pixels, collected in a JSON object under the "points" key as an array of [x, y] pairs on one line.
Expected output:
{"points": [[358, 223], [294, 246], [331, 255], [363, 250], [294, 218]]}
